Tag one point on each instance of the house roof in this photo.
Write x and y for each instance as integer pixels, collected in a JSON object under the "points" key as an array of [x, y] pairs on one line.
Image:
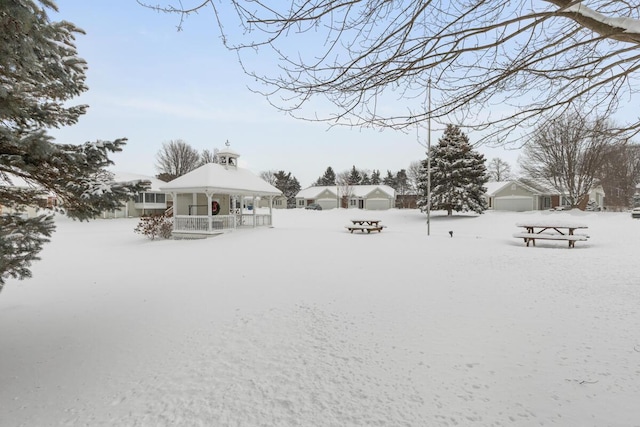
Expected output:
{"points": [[365, 190], [216, 178], [314, 191], [19, 182], [127, 177], [355, 190], [495, 187]]}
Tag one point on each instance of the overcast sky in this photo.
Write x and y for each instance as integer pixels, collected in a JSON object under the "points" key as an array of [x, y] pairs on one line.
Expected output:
{"points": [[150, 83]]}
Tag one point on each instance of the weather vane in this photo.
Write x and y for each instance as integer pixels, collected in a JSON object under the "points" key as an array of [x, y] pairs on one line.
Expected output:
{"points": [[227, 143]]}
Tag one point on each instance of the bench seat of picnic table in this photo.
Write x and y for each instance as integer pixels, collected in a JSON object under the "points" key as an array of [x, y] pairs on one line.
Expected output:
{"points": [[365, 228], [551, 236]]}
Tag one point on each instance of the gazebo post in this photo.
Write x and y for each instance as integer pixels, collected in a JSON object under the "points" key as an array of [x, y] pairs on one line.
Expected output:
{"points": [[253, 202], [209, 212], [271, 210], [232, 209], [174, 198]]}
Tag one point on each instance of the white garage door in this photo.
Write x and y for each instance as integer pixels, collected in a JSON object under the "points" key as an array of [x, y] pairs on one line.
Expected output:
{"points": [[327, 203], [377, 204], [514, 204]]}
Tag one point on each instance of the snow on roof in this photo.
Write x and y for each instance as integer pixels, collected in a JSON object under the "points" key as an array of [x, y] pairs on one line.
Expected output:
{"points": [[218, 178], [19, 182], [365, 190], [355, 190], [127, 177], [494, 187], [314, 191], [16, 181]]}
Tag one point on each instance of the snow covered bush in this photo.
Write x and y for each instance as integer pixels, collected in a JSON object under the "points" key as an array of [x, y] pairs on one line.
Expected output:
{"points": [[154, 226]]}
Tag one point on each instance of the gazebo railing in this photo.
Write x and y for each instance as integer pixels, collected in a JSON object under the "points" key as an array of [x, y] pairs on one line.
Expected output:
{"points": [[247, 220], [200, 223]]}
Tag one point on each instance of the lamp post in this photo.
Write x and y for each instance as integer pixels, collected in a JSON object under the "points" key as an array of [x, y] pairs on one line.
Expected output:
{"points": [[429, 159]]}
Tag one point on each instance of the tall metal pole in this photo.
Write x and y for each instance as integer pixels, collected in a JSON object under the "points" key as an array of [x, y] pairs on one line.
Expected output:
{"points": [[429, 160]]}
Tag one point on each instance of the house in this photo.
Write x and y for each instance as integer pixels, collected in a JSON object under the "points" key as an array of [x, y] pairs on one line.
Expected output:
{"points": [[209, 200], [515, 196], [371, 197], [324, 195], [152, 201], [278, 202], [47, 201], [519, 196]]}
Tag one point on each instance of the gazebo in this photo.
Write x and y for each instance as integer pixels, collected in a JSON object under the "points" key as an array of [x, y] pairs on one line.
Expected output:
{"points": [[209, 200]]}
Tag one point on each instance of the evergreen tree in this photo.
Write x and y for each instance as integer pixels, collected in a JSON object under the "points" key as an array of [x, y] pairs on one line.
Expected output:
{"points": [[354, 176], [402, 186], [40, 73], [365, 179], [289, 186], [329, 178], [389, 180], [458, 175], [375, 177]]}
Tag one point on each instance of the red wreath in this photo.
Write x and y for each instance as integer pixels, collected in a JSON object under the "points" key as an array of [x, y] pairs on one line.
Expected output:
{"points": [[215, 208]]}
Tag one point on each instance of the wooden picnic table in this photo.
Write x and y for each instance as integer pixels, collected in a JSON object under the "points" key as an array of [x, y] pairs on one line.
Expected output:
{"points": [[365, 225], [373, 222], [556, 230]]}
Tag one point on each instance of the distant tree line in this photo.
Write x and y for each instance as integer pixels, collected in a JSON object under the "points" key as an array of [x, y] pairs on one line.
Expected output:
{"points": [[570, 154]]}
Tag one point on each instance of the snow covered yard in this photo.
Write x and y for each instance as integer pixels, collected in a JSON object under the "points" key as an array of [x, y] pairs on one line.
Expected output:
{"points": [[306, 324]]}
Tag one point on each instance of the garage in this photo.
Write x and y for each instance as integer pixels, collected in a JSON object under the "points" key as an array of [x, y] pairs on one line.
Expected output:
{"points": [[377, 204], [513, 203], [327, 203]]}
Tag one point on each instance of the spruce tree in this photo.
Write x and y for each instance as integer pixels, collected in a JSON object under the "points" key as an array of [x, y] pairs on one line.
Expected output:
{"points": [[289, 185], [375, 177], [458, 175], [389, 180], [40, 73], [354, 177], [329, 178]]}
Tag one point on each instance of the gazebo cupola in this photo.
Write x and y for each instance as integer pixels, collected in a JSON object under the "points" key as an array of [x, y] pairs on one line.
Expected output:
{"points": [[227, 157]]}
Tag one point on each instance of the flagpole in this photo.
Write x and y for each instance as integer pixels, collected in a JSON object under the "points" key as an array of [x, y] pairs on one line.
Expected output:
{"points": [[429, 160]]}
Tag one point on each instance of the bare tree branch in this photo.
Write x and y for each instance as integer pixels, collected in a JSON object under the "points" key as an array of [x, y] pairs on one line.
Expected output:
{"points": [[177, 158], [568, 153], [501, 66]]}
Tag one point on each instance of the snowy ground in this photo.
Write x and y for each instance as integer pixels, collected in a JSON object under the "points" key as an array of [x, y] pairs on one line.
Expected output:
{"points": [[306, 325]]}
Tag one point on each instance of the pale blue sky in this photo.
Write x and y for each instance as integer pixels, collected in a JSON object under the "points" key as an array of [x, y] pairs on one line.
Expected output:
{"points": [[151, 84]]}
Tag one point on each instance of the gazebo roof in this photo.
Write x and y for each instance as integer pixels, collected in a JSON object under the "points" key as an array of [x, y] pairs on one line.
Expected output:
{"points": [[215, 178]]}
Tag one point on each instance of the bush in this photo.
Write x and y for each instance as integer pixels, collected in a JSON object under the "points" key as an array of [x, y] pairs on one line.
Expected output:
{"points": [[154, 226]]}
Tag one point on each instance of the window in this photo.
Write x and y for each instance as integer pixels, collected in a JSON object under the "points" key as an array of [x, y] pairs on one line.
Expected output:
{"points": [[353, 202], [546, 202], [277, 202], [151, 198], [300, 202]]}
